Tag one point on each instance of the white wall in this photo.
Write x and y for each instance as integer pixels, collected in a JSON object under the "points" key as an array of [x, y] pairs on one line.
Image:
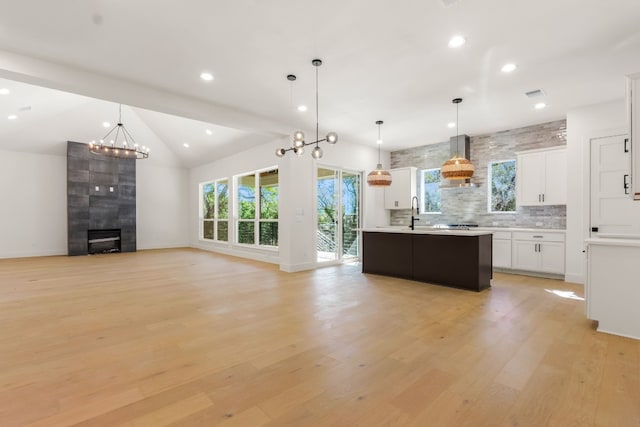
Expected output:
{"points": [[33, 210], [162, 206], [33, 204], [582, 125], [296, 202]]}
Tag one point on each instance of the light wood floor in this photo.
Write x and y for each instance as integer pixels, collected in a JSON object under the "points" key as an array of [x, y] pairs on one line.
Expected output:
{"points": [[190, 338]]}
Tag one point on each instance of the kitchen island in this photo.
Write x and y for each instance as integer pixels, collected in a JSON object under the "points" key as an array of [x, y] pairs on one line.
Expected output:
{"points": [[457, 258]]}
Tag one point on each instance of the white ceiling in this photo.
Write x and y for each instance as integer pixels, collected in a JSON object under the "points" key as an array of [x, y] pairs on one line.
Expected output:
{"points": [[382, 60]]}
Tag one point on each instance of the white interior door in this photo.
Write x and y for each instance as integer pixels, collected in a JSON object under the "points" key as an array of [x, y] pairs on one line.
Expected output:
{"points": [[613, 212]]}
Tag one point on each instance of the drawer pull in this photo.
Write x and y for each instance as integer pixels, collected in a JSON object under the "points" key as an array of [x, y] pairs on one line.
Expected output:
{"points": [[538, 237]]}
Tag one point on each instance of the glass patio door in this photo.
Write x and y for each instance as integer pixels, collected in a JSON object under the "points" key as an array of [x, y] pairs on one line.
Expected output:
{"points": [[338, 214]]}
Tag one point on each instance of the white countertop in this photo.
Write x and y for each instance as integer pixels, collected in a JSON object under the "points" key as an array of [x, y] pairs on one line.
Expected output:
{"points": [[603, 241], [479, 230], [426, 230]]}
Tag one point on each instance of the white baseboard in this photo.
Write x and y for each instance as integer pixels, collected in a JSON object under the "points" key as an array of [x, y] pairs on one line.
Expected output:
{"points": [[163, 246], [256, 255], [31, 254], [293, 268], [574, 278]]}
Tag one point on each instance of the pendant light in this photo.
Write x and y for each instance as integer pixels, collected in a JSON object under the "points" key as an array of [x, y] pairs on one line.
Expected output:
{"points": [[298, 136], [457, 167], [379, 177]]}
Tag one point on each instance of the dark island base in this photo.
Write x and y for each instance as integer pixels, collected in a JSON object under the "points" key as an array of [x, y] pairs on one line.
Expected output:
{"points": [[451, 260]]}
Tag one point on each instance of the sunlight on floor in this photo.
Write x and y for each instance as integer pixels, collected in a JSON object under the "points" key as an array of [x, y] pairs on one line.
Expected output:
{"points": [[565, 294]]}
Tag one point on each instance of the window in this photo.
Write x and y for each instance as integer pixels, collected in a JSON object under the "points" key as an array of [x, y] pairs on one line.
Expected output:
{"points": [[430, 191], [215, 210], [258, 226], [502, 191]]}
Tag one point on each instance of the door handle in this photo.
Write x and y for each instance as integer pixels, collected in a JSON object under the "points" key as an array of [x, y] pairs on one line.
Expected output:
{"points": [[625, 184], [542, 197], [539, 198], [626, 149]]}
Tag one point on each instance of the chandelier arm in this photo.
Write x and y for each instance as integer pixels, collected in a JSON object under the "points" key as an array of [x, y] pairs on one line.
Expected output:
{"points": [[128, 135], [104, 138], [115, 141]]}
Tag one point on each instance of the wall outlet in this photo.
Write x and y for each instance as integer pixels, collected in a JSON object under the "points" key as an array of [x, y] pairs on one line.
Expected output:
{"points": [[494, 223], [538, 224]]}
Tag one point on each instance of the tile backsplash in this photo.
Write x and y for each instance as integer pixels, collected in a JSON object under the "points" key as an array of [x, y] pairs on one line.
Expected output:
{"points": [[469, 205]]}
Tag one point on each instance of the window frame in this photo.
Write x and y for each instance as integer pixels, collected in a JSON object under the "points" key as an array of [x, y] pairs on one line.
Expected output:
{"points": [[423, 209], [490, 186], [257, 220], [216, 219]]}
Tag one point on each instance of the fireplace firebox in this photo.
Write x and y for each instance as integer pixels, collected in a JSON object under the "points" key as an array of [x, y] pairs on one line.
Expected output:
{"points": [[104, 241]]}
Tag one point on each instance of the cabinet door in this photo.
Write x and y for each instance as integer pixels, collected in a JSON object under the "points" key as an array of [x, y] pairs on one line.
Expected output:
{"points": [[502, 253], [398, 194], [555, 178], [552, 257], [529, 180], [525, 256]]}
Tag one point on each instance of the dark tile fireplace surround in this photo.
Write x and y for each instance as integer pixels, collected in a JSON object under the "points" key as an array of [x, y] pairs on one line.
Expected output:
{"points": [[101, 202]]}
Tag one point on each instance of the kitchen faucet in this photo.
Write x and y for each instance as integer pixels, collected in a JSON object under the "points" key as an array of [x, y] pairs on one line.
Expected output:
{"points": [[413, 218]]}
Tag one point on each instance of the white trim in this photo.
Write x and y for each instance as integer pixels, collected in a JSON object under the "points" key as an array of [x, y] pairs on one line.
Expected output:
{"points": [[542, 150], [294, 268], [36, 253], [574, 278], [599, 329], [268, 256], [164, 246]]}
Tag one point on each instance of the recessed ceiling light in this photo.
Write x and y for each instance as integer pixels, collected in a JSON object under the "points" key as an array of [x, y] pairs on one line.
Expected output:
{"points": [[508, 68], [540, 105], [208, 132], [185, 145], [4, 91], [457, 41], [207, 77], [379, 142], [451, 125], [302, 108], [106, 124], [12, 117]]}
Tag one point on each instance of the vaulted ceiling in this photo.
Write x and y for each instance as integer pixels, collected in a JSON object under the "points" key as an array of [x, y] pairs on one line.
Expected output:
{"points": [[382, 60]]}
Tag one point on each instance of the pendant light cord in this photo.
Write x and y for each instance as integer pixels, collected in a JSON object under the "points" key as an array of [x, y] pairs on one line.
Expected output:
{"points": [[378, 142], [119, 113], [457, 131], [317, 113]]}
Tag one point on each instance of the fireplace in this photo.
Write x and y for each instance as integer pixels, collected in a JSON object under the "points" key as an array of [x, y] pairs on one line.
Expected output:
{"points": [[104, 241]]}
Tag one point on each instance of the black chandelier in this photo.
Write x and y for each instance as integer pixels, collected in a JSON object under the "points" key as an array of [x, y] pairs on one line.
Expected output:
{"points": [[121, 144], [298, 136]]}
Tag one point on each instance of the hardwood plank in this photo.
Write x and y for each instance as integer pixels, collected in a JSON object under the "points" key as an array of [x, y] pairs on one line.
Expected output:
{"points": [[184, 337]]}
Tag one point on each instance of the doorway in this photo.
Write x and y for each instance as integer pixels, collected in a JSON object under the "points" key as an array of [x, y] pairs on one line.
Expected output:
{"points": [[613, 212], [338, 206]]}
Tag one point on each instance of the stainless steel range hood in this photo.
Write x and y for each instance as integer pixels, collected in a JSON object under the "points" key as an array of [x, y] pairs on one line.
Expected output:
{"points": [[460, 146]]}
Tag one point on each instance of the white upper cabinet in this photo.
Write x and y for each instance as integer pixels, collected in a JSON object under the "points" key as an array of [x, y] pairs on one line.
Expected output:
{"points": [[402, 189], [633, 110], [541, 177]]}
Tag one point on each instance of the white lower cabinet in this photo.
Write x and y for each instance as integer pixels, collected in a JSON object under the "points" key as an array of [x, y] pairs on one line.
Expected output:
{"points": [[538, 252], [613, 289], [502, 249]]}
